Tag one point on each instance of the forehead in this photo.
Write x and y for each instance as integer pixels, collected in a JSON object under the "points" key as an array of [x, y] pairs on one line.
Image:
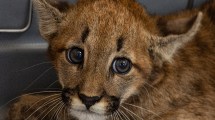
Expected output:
{"points": [[103, 16], [107, 21]]}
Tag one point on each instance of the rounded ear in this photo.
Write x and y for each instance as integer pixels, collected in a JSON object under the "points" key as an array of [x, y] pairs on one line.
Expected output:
{"points": [[50, 13], [166, 47]]}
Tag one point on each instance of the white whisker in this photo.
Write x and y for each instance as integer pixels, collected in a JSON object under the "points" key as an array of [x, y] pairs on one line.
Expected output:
{"points": [[110, 116], [52, 84], [64, 113], [41, 100], [124, 115], [148, 94], [48, 104], [58, 111], [119, 115], [132, 113], [35, 80], [58, 103], [160, 93], [27, 95], [114, 115], [33, 66], [143, 109], [43, 105]]}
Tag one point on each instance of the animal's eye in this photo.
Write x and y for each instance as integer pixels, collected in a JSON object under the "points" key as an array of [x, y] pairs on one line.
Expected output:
{"points": [[121, 65], [75, 55]]}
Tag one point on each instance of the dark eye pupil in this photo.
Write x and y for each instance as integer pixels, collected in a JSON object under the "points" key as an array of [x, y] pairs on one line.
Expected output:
{"points": [[121, 65], [78, 55], [75, 55]]}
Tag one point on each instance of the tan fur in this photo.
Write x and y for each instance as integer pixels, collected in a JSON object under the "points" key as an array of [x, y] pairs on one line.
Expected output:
{"points": [[173, 72]]}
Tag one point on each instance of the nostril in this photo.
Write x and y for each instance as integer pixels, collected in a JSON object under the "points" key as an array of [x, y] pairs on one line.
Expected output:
{"points": [[65, 95], [89, 101]]}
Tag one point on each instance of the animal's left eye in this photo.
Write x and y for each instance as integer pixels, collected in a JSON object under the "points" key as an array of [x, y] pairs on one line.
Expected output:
{"points": [[75, 55], [121, 65]]}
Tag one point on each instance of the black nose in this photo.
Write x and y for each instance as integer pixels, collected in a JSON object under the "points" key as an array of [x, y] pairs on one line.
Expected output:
{"points": [[89, 101]]}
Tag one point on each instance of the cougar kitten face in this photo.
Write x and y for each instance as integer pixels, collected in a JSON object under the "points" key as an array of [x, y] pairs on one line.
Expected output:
{"points": [[99, 66]]}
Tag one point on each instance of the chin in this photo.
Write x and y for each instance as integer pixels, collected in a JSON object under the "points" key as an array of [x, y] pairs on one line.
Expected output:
{"points": [[87, 115]]}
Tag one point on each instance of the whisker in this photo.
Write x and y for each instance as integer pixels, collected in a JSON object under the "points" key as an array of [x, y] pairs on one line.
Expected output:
{"points": [[119, 115], [27, 95], [148, 94], [124, 115], [118, 118], [160, 93], [54, 100], [114, 115], [49, 104], [64, 113], [58, 103], [143, 109], [35, 80], [59, 109], [52, 84], [59, 114], [109, 117], [41, 101], [32, 66], [48, 89], [55, 112], [132, 112], [131, 115]]}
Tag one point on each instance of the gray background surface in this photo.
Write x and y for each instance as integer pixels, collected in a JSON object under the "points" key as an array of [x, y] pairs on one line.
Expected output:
{"points": [[19, 51]]}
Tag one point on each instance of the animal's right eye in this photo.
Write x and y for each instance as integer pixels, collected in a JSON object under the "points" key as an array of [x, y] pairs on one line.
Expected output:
{"points": [[121, 65], [75, 55]]}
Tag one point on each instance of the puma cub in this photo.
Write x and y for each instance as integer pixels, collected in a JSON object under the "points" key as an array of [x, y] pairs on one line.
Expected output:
{"points": [[115, 61]]}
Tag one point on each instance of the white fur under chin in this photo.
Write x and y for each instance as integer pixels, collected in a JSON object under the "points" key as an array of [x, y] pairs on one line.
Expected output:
{"points": [[86, 115]]}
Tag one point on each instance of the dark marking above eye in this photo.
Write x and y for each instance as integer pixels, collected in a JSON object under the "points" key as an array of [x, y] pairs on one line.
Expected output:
{"points": [[120, 42], [85, 34]]}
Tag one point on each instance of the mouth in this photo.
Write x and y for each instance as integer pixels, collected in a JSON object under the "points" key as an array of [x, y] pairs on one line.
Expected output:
{"points": [[80, 105], [98, 109], [87, 115]]}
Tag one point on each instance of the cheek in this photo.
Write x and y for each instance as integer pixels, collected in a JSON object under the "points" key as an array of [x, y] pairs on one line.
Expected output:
{"points": [[67, 73], [130, 91], [133, 87], [124, 86], [111, 87]]}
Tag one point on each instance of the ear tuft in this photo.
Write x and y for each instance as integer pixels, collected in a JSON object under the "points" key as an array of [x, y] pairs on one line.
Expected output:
{"points": [[51, 13], [166, 47]]}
